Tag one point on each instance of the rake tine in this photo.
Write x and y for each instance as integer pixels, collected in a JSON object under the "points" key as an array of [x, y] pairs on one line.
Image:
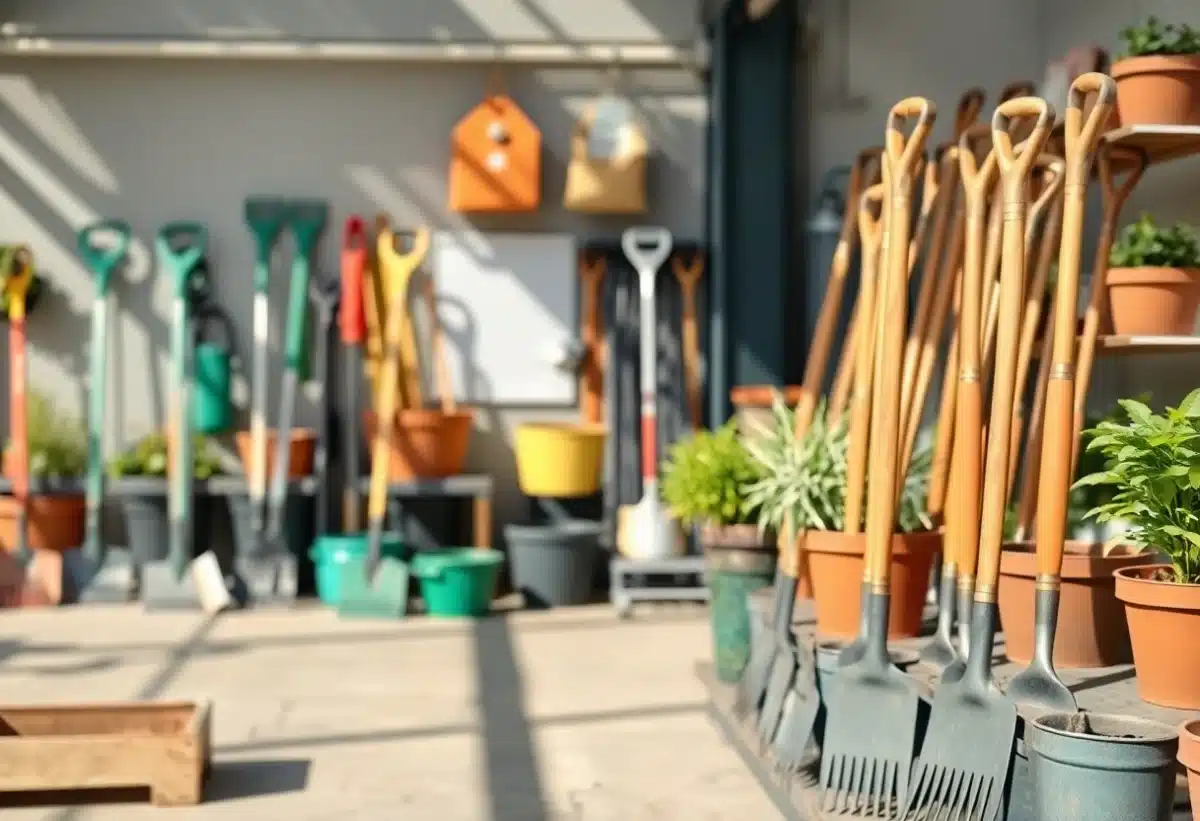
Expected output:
{"points": [[960, 785], [879, 786]]}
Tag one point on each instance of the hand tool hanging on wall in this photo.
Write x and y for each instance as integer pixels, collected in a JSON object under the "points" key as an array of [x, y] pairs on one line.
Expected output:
{"points": [[606, 172], [265, 216], [326, 295], [651, 532], [352, 323], [103, 262], [396, 271], [17, 262], [306, 220], [800, 715], [970, 768], [591, 333], [873, 706], [689, 276]]}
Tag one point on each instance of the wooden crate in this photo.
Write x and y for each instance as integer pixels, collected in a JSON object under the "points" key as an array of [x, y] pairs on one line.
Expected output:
{"points": [[51, 749]]}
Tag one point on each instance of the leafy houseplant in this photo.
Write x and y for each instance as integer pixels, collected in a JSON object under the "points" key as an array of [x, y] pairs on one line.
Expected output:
{"points": [[705, 477], [802, 494], [1153, 279], [1158, 76], [1152, 463], [150, 457]]}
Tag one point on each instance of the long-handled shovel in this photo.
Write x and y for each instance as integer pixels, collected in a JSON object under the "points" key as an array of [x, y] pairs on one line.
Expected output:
{"points": [[871, 732], [265, 216], [965, 760], [1038, 684], [326, 295], [19, 262], [591, 378], [306, 220], [103, 261], [353, 326]]}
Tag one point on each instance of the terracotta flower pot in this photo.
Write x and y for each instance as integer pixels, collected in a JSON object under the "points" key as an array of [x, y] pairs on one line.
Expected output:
{"points": [[1160, 89], [1164, 623], [302, 444], [1155, 301], [1189, 757], [55, 523], [425, 443], [835, 562], [1091, 622]]}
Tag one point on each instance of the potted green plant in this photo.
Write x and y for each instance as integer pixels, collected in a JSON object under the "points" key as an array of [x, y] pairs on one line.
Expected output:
{"points": [[1153, 279], [802, 492], [1158, 75], [57, 452], [705, 479], [1153, 465], [140, 472]]}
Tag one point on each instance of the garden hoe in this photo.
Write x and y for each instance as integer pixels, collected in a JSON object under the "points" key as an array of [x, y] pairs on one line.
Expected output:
{"points": [[102, 246], [266, 217], [795, 732], [871, 731], [380, 586], [306, 219], [18, 262], [353, 326], [652, 532], [968, 746]]}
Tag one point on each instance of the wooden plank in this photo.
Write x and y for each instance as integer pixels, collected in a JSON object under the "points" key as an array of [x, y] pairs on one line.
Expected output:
{"points": [[1162, 143], [164, 746]]}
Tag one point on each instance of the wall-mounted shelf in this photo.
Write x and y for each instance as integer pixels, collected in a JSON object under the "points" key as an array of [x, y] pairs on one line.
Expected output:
{"points": [[1162, 143], [546, 53], [1125, 345]]}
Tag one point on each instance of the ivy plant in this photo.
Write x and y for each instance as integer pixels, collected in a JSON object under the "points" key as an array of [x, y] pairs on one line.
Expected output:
{"points": [[803, 484], [1152, 463], [1143, 244], [1156, 37]]}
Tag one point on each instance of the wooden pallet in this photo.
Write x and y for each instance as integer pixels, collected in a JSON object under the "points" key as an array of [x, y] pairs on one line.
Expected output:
{"points": [[53, 750]]}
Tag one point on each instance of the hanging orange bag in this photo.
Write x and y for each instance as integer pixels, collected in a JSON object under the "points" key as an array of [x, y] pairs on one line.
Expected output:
{"points": [[495, 158]]}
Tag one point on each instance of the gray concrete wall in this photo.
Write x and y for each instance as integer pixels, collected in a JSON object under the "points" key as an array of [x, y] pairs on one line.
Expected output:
{"points": [[151, 141]]}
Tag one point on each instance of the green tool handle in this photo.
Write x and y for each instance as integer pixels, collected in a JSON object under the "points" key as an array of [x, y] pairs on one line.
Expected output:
{"points": [[297, 310], [93, 544], [181, 260], [181, 460], [103, 261]]}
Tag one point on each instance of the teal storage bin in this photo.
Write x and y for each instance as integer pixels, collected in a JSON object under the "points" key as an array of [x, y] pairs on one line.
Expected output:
{"points": [[459, 581], [332, 552]]}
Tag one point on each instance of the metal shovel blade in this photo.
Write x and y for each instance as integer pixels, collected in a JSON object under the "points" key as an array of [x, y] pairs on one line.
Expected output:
{"points": [[1038, 685], [968, 746], [793, 740], [751, 687], [383, 594], [779, 683]]}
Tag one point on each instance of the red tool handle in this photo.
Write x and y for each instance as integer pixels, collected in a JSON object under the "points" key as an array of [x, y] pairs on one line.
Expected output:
{"points": [[352, 318]]}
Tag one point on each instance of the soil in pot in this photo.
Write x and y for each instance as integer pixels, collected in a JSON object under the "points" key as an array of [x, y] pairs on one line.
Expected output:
{"points": [[302, 443], [1159, 89], [1091, 621], [835, 562], [1164, 622], [1189, 757], [1153, 301], [425, 444], [54, 522], [553, 565], [738, 562], [1102, 766]]}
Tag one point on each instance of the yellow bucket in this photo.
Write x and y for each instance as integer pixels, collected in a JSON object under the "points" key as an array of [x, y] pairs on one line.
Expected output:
{"points": [[560, 459]]}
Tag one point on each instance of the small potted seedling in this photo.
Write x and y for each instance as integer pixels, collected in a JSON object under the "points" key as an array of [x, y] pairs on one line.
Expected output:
{"points": [[705, 479], [1153, 467], [1153, 279], [1158, 75], [140, 474], [803, 488]]}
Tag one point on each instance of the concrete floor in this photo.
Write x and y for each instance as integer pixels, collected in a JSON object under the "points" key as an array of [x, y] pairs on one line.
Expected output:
{"points": [[568, 714]]}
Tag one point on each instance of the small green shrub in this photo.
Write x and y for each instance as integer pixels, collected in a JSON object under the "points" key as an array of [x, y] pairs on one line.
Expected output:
{"points": [[705, 477], [57, 441], [148, 457], [1156, 37], [1143, 244]]}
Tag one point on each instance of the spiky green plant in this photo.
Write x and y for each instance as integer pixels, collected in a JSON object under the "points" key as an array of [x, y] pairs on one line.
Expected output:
{"points": [[57, 441]]}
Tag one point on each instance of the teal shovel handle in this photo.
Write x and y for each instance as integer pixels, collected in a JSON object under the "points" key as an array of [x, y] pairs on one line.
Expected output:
{"points": [[181, 245], [103, 261]]}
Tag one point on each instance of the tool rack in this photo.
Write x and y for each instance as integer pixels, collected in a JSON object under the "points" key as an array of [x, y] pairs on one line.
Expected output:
{"points": [[1107, 690]]}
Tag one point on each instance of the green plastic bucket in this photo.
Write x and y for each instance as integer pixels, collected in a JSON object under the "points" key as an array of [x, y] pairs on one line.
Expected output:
{"points": [[331, 552], [459, 581]]}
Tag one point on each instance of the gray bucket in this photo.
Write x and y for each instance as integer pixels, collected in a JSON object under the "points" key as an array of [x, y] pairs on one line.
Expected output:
{"points": [[553, 565], [1123, 771], [148, 530]]}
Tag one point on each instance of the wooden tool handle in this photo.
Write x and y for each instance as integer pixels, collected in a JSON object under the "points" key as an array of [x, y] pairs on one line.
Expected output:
{"points": [[969, 107], [591, 380], [939, 472], [1015, 170], [1054, 477], [388, 376], [1027, 502], [437, 340], [352, 319], [870, 219], [901, 157], [689, 276], [1019, 88]]}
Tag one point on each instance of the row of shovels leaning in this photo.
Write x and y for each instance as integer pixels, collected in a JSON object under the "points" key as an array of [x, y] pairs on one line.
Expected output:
{"points": [[995, 205]]}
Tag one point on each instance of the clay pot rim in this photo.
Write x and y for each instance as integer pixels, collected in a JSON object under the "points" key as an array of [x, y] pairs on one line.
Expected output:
{"points": [[1161, 733], [759, 396], [1151, 275], [1153, 64], [409, 415], [597, 429], [1134, 589], [1081, 560], [839, 542], [294, 435], [711, 535], [1189, 744]]}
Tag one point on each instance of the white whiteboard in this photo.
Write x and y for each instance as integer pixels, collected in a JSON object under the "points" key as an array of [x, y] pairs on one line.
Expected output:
{"points": [[506, 302]]}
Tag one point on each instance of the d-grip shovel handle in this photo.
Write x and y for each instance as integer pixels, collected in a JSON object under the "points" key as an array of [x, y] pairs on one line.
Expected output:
{"points": [[1016, 170], [901, 158], [969, 107], [103, 261], [352, 318], [181, 245], [1082, 136], [647, 248]]}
